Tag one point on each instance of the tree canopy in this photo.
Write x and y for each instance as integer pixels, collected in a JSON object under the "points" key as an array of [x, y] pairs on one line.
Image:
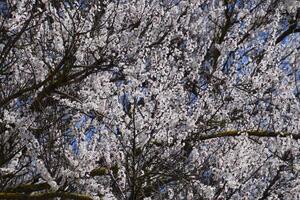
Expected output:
{"points": [[149, 99]]}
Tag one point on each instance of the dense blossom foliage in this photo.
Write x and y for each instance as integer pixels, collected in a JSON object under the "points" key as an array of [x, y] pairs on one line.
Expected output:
{"points": [[149, 99]]}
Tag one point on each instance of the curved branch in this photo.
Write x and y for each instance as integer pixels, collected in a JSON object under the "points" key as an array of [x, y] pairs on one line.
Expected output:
{"points": [[258, 133]]}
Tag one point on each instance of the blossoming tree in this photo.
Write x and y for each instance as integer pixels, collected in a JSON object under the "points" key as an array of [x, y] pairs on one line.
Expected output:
{"points": [[161, 99]]}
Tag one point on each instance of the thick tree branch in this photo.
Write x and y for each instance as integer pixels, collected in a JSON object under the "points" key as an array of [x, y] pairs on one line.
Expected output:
{"points": [[42, 196], [292, 29], [27, 188], [258, 133]]}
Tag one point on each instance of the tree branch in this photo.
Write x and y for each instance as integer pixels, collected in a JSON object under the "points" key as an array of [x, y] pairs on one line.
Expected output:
{"points": [[29, 188], [258, 133], [292, 29], [43, 196]]}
